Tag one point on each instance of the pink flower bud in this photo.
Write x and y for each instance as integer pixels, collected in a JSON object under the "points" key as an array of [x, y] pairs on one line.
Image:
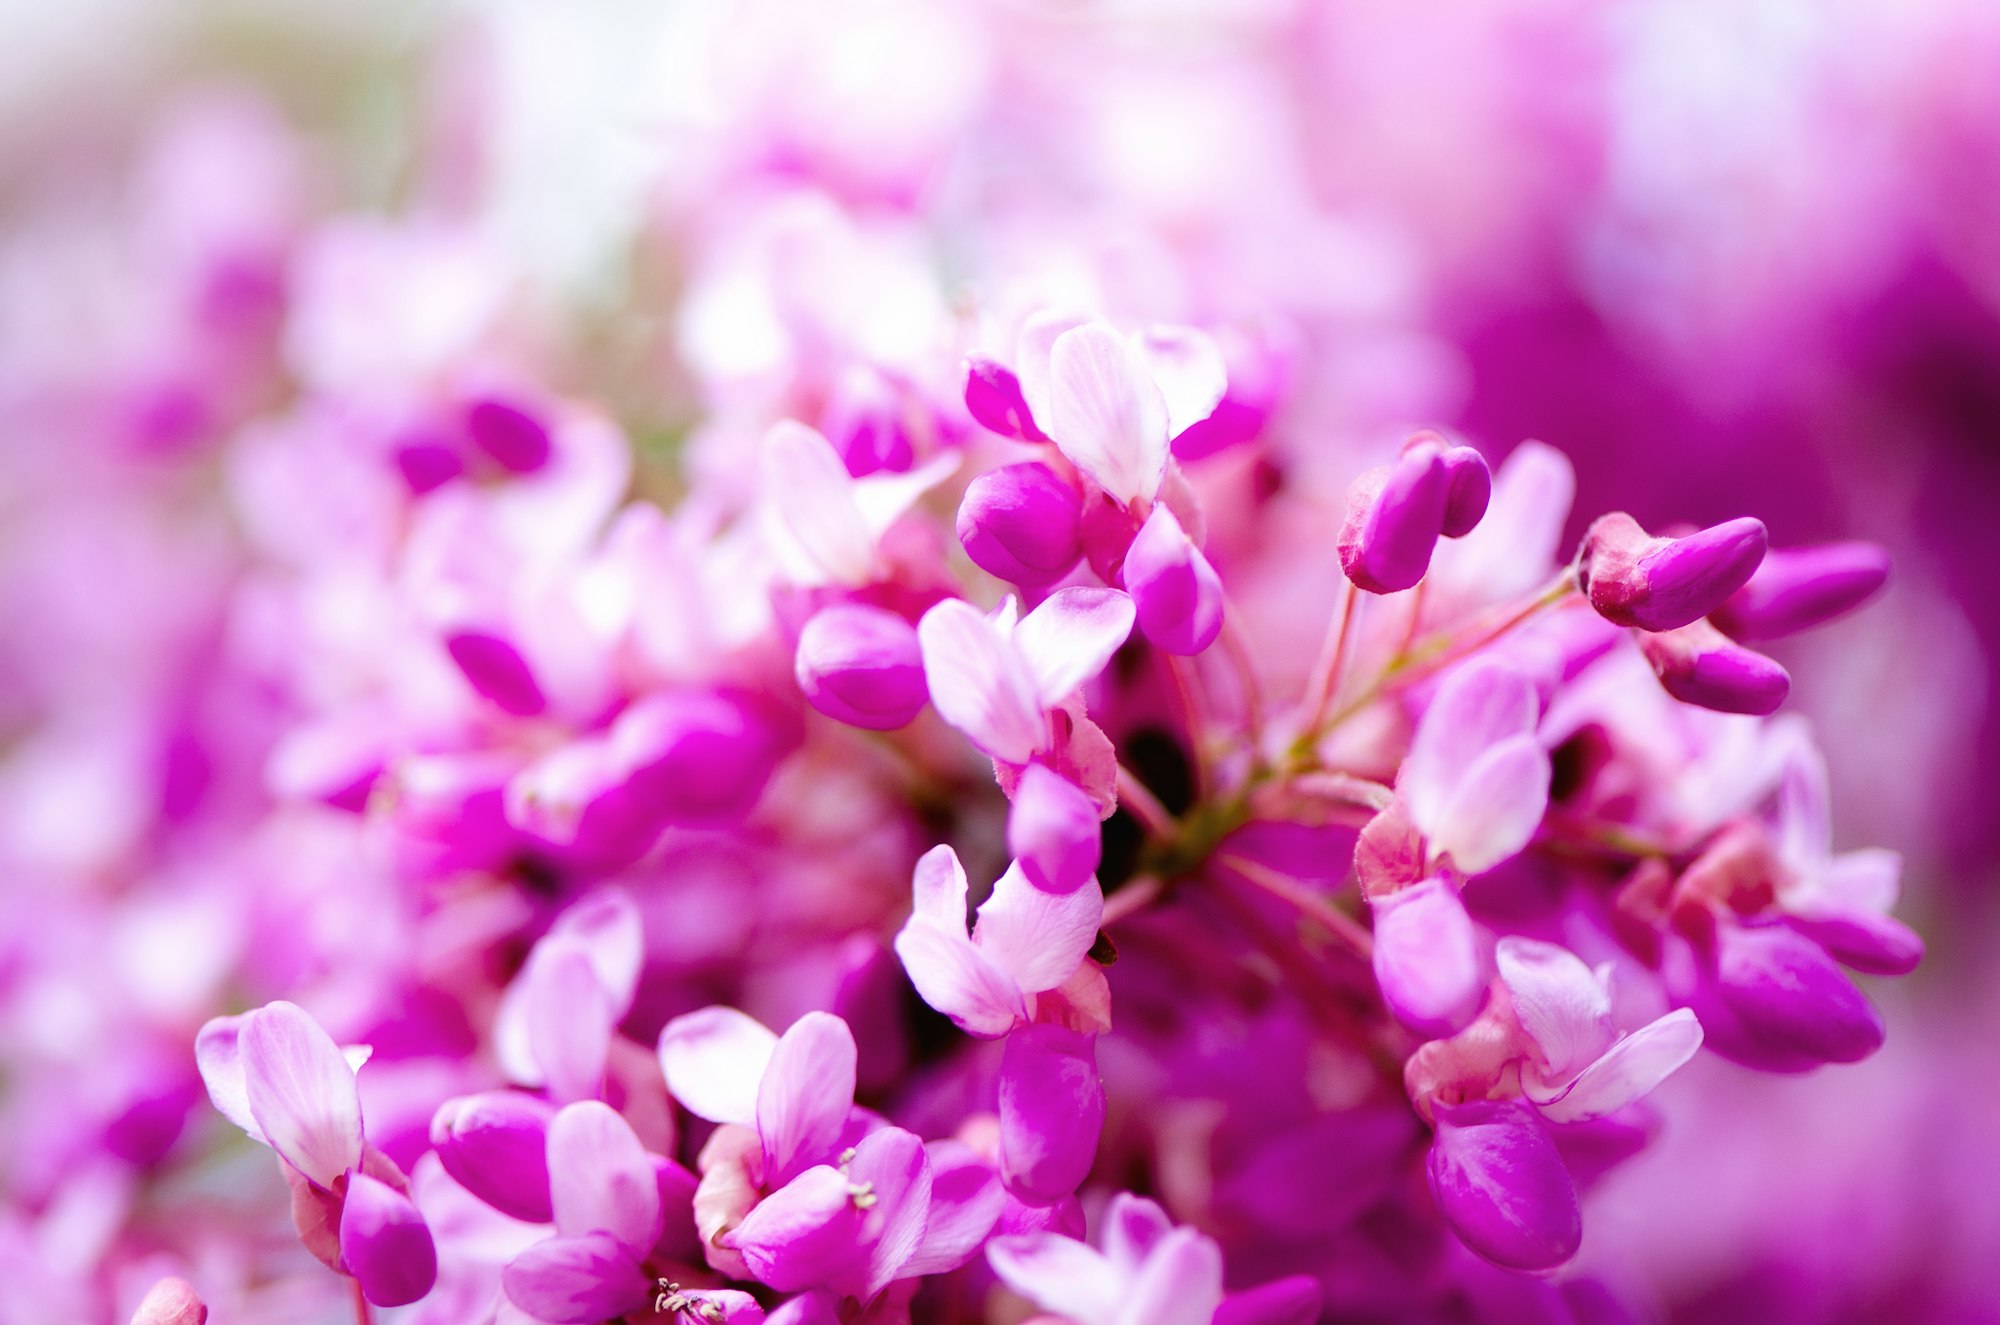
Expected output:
{"points": [[1699, 665], [508, 435], [1053, 830], [1020, 523], [496, 1146], [993, 397], [1501, 1184], [496, 669], [862, 666], [385, 1244], [1395, 516], [171, 1301], [1634, 579], [1799, 588], [1469, 491], [1051, 1111], [1177, 593]]}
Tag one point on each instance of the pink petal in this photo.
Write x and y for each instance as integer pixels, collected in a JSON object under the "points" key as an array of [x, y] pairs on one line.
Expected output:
{"points": [[577, 1281], [806, 1095], [882, 499], [607, 925], [1496, 806], [819, 531], [1502, 1186], [1181, 1283], [1177, 594], [218, 1053], [301, 1092], [1561, 1003], [495, 1145], [172, 1301], [1069, 638], [1051, 1112], [1188, 369], [1034, 351], [940, 886], [892, 1170], [1629, 1070], [1053, 830], [950, 974], [1295, 1300], [966, 1201], [980, 683], [714, 1061], [1479, 706], [1058, 1274], [1427, 958], [601, 1179], [805, 1234], [385, 1243], [1106, 414], [1037, 938], [1133, 1226], [569, 1019]]}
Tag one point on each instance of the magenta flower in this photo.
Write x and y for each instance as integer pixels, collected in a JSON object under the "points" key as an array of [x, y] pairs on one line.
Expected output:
{"points": [[277, 1075]]}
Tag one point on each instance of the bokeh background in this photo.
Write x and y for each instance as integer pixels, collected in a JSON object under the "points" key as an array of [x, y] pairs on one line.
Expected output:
{"points": [[1733, 256]]}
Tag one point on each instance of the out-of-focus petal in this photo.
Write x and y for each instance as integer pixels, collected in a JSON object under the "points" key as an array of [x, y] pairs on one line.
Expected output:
{"points": [[714, 1060]]}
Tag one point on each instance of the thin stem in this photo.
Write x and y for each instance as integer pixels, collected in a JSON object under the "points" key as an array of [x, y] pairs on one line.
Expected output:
{"points": [[1326, 669], [1135, 796], [1135, 896], [1335, 921], [1181, 670], [1244, 659], [362, 1315]]}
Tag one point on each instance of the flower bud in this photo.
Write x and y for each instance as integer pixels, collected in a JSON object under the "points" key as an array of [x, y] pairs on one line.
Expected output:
{"points": [[508, 435], [1799, 588], [862, 666], [864, 421], [1177, 593], [1501, 1184], [1772, 999], [1634, 579], [1427, 958], [1395, 516], [427, 463], [1020, 523], [496, 1146], [1053, 830], [1468, 492], [385, 1244], [496, 669], [993, 398], [1699, 665], [171, 1301], [697, 757], [1051, 1112]]}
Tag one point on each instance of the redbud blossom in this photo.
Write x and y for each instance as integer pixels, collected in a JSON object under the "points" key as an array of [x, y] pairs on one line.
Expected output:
{"points": [[1796, 589], [1176, 591], [862, 666], [1698, 664], [1019, 523], [1635, 579]]}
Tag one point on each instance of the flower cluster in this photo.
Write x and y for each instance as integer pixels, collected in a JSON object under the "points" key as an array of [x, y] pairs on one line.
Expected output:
{"points": [[937, 796]]}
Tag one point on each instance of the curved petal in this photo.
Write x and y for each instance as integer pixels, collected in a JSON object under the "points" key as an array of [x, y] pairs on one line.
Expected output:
{"points": [[805, 1234], [1496, 806], [385, 1243], [1037, 938], [892, 1175], [714, 1060], [569, 1019], [1106, 414], [1133, 1226], [1478, 706], [1427, 958], [941, 887], [607, 926], [951, 975], [601, 1180], [966, 1201], [1628, 1070], [218, 1053], [1180, 1284], [815, 524], [576, 1281], [979, 682], [806, 1095], [1187, 367], [1560, 1001], [1502, 1186], [301, 1092], [1058, 1274], [1051, 1112], [1069, 638]]}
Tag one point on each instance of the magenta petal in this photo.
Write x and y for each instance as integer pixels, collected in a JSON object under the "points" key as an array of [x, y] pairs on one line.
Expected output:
{"points": [[1865, 941], [577, 1281], [1502, 1186], [385, 1243], [1697, 664], [1054, 831], [513, 438], [862, 666], [495, 1146], [966, 1203], [1776, 1001], [1176, 592], [1051, 1112], [805, 1234], [1469, 489], [601, 1178], [699, 758], [1799, 588], [806, 1095], [993, 398], [892, 1172], [496, 669], [1427, 958], [1021, 523], [301, 1092], [1665, 583], [1180, 1283]]}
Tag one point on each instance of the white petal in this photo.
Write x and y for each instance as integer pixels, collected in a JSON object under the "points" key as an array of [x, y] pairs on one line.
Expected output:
{"points": [[1106, 413], [815, 526], [1495, 806], [714, 1060], [1561, 1004], [979, 682], [1189, 370], [1037, 938], [1630, 1070], [1071, 636]]}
